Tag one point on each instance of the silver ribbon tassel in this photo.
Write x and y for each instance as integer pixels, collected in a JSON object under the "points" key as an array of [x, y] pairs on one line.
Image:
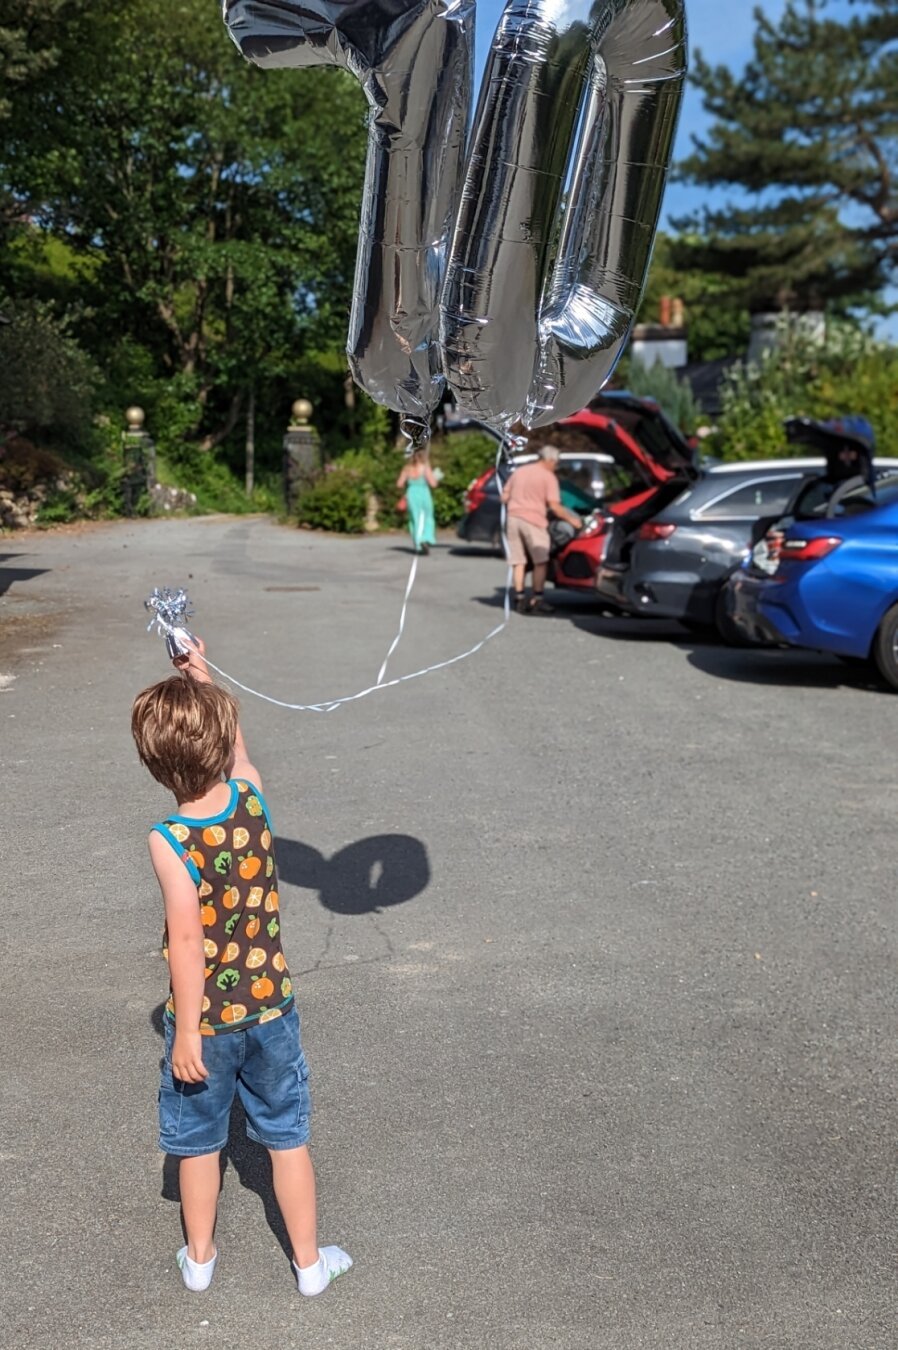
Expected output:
{"points": [[170, 609]]}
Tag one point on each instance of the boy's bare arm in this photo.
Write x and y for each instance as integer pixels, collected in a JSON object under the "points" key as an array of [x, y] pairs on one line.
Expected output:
{"points": [[194, 666], [186, 958]]}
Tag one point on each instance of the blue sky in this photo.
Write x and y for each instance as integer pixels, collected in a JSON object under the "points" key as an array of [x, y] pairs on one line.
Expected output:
{"points": [[722, 30]]}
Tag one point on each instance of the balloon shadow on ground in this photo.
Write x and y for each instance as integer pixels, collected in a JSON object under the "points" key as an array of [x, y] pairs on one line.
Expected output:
{"points": [[362, 878]]}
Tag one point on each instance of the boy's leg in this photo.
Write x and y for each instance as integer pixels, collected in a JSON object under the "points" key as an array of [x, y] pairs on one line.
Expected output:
{"points": [[294, 1187], [200, 1179], [273, 1087]]}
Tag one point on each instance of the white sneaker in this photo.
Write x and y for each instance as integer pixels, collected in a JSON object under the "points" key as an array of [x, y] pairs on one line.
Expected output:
{"points": [[196, 1277], [332, 1262]]}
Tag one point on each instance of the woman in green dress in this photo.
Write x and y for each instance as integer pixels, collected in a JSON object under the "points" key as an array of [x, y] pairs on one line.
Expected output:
{"points": [[417, 478]]}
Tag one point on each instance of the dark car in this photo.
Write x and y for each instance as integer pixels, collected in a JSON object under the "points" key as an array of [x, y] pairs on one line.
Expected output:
{"points": [[675, 563], [641, 460], [672, 563]]}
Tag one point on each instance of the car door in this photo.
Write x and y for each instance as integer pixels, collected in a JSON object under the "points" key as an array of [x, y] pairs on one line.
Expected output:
{"points": [[725, 525]]}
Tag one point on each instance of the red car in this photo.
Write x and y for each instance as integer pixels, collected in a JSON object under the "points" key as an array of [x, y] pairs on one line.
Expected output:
{"points": [[640, 463]]}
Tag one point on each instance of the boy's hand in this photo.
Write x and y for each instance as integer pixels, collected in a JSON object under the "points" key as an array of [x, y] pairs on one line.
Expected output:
{"points": [[187, 1057], [192, 663]]}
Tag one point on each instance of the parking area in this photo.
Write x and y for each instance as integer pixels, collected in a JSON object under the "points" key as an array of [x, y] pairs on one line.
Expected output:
{"points": [[594, 943]]}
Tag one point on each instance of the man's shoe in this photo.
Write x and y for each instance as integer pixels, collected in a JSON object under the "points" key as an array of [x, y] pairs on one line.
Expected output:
{"points": [[538, 605]]}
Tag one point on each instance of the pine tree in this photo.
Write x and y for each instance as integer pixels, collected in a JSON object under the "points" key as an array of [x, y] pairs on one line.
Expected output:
{"points": [[811, 127]]}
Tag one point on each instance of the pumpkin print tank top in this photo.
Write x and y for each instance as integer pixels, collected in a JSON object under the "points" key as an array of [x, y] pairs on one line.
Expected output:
{"points": [[230, 858]]}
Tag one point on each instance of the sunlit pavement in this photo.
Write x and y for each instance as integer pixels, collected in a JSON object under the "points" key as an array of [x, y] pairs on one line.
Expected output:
{"points": [[594, 939]]}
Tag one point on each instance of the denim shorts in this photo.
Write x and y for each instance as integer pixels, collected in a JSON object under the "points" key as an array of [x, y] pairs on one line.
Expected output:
{"points": [[264, 1064]]}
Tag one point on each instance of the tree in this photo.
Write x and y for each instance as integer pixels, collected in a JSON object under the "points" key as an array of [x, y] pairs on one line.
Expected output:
{"points": [[28, 50], [811, 127], [672, 395], [47, 379], [717, 319], [29, 32], [218, 203]]}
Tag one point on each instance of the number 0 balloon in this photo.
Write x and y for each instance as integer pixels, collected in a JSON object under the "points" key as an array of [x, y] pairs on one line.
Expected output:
{"points": [[551, 212], [544, 283]]}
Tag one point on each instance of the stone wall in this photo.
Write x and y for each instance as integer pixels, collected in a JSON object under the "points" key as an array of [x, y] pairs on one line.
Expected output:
{"points": [[20, 508]]}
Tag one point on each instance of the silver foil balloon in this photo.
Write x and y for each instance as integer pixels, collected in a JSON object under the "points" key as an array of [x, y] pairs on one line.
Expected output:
{"points": [[565, 176], [414, 61]]}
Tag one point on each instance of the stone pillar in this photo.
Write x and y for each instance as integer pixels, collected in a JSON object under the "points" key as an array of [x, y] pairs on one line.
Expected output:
{"points": [[302, 452], [138, 460]]}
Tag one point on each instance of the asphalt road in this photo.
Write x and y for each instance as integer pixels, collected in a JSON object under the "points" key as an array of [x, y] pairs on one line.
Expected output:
{"points": [[594, 936]]}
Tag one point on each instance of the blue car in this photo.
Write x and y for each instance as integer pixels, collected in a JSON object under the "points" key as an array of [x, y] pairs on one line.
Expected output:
{"points": [[829, 580]]}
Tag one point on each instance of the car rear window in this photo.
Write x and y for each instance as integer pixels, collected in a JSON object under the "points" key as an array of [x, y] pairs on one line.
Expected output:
{"points": [[581, 473], [751, 500], [611, 482]]}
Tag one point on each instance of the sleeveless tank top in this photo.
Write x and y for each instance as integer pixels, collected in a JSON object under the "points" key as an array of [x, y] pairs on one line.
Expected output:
{"points": [[230, 858]]}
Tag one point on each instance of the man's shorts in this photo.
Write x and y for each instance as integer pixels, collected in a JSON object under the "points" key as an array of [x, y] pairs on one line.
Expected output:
{"points": [[264, 1064], [526, 542]]}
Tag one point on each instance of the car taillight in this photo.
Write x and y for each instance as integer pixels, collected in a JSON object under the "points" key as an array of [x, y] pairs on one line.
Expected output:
{"points": [[652, 530], [474, 495], [808, 550]]}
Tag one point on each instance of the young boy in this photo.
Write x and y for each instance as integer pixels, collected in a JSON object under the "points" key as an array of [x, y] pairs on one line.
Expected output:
{"points": [[230, 1022]]}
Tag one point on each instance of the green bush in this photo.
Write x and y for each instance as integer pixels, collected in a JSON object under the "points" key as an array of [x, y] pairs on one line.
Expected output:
{"points": [[378, 472], [212, 482], [673, 396], [73, 486], [338, 501], [60, 507], [849, 372], [461, 458]]}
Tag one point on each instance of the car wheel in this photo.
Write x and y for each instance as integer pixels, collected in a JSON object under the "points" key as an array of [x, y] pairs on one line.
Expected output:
{"points": [[885, 648], [726, 629]]}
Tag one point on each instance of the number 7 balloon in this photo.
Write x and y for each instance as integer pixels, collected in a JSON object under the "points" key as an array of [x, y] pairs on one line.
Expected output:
{"points": [[413, 59], [543, 284]]}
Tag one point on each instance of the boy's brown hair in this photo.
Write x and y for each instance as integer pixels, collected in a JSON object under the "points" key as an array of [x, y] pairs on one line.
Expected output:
{"points": [[185, 730]]}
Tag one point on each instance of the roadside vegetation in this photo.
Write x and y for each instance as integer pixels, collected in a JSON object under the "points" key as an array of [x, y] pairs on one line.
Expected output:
{"points": [[178, 231]]}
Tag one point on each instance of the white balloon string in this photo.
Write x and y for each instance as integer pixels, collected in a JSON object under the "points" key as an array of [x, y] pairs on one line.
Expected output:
{"points": [[330, 705], [395, 643], [335, 703]]}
